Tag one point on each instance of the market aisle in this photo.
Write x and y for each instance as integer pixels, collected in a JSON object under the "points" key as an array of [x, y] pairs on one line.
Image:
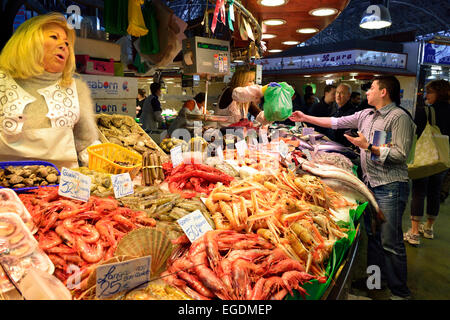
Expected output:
{"points": [[428, 275]]}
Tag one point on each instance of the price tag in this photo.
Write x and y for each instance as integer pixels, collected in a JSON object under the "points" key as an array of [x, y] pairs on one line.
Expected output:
{"points": [[122, 185], [117, 277], [219, 153], [283, 149], [291, 166], [307, 131], [176, 155], [74, 185], [241, 147], [194, 225], [308, 154], [264, 139]]}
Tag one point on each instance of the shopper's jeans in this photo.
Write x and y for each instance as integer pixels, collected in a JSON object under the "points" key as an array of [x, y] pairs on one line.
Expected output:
{"points": [[385, 248], [429, 187]]}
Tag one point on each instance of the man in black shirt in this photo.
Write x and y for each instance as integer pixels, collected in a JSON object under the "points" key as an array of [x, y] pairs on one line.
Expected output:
{"points": [[345, 108], [151, 112], [325, 107], [355, 99]]}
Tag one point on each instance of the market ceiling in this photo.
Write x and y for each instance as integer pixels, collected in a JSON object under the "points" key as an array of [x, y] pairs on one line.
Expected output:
{"points": [[297, 16]]}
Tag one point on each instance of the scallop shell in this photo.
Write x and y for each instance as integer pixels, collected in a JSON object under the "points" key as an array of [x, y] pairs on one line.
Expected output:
{"points": [[147, 242]]}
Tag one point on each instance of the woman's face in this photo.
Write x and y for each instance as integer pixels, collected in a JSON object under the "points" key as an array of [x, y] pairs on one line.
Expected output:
{"points": [[56, 48], [251, 80], [431, 96]]}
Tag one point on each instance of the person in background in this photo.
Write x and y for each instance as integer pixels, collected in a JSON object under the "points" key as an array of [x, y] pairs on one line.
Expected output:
{"points": [[193, 106], [325, 107], [140, 102], [151, 112], [385, 172], [310, 100], [46, 112], [344, 108], [236, 104], [309, 92], [355, 99], [437, 97]]}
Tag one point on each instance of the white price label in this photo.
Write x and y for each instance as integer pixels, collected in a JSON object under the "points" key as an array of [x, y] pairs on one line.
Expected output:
{"points": [[122, 276], [122, 185], [263, 134], [307, 131], [176, 155], [219, 153], [74, 185], [241, 147], [194, 225], [283, 149]]}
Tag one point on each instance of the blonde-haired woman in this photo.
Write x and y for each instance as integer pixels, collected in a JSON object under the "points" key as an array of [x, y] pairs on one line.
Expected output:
{"points": [[46, 113], [241, 97]]}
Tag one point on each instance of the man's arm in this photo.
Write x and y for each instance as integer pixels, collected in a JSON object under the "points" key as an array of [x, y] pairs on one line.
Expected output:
{"points": [[299, 116], [156, 106]]}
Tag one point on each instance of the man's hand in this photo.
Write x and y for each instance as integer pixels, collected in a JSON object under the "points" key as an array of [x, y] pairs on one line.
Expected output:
{"points": [[297, 116], [359, 141]]}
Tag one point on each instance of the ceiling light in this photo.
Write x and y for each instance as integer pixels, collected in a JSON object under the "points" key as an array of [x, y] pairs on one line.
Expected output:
{"points": [[328, 75], [307, 30], [238, 61], [275, 50], [307, 76], [290, 43], [353, 74], [268, 36], [375, 17], [272, 3], [323, 12], [274, 22]]}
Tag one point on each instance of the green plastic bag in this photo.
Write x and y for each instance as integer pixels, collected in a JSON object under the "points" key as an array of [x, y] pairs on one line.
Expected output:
{"points": [[278, 101]]}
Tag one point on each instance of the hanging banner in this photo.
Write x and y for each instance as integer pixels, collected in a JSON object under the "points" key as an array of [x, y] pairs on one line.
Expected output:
{"points": [[219, 4], [231, 14]]}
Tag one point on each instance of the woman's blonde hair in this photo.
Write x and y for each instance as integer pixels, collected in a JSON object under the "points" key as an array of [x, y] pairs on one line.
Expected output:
{"points": [[241, 77], [23, 55]]}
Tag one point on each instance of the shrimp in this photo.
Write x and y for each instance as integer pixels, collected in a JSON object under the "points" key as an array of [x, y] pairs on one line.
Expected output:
{"points": [[90, 254], [49, 240], [293, 279]]}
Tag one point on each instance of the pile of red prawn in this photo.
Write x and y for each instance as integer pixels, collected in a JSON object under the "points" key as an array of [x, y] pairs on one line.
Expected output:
{"points": [[197, 178], [229, 265], [79, 233]]}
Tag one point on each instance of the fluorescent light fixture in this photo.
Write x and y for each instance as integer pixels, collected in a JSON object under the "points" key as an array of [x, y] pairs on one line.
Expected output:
{"points": [[272, 3], [274, 22], [353, 74], [323, 12], [290, 43], [275, 50], [268, 36], [307, 30], [328, 75], [307, 76], [376, 16], [238, 61]]}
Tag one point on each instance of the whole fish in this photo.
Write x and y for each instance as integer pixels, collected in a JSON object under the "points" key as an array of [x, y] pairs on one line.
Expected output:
{"points": [[347, 179], [348, 152]]}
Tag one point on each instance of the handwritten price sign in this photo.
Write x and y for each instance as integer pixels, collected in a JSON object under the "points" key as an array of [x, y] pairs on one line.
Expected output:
{"points": [[122, 185], [194, 225], [74, 185], [117, 277]]}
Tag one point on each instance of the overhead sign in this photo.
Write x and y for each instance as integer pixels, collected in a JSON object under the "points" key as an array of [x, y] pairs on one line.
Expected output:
{"points": [[336, 59], [436, 54]]}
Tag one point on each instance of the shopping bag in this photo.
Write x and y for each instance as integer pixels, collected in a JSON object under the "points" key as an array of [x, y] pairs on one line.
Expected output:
{"points": [[278, 101], [431, 154]]}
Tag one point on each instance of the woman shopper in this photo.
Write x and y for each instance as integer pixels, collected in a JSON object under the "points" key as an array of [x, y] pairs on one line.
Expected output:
{"points": [[437, 97], [46, 113]]}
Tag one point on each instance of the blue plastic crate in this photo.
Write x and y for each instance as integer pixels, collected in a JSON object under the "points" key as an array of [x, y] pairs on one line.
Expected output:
{"points": [[28, 163]]}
